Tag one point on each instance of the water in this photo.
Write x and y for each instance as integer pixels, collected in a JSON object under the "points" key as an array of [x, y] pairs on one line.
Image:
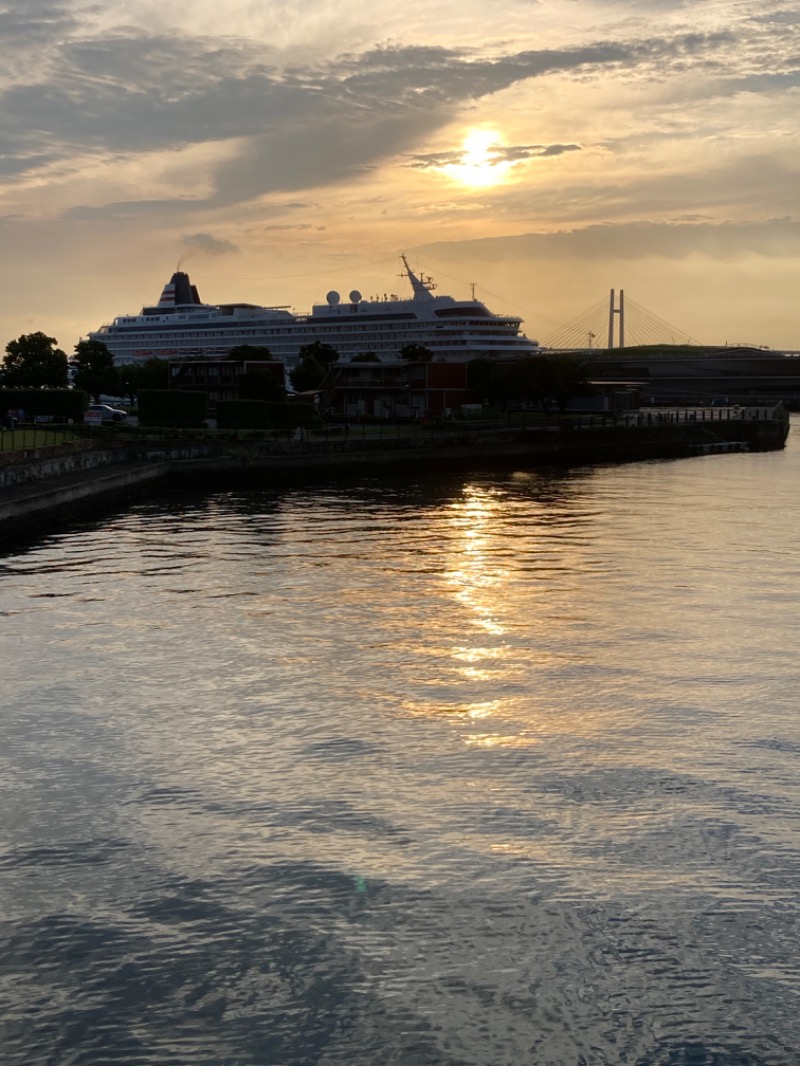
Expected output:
{"points": [[446, 770]]}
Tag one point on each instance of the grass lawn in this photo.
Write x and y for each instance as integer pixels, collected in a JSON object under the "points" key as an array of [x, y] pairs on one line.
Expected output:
{"points": [[29, 437]]}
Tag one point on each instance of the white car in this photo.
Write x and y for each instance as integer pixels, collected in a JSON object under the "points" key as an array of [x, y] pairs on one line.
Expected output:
{"points": [[106, 413]]}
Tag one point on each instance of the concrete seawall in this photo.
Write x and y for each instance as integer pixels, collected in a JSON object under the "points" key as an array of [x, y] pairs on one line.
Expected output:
{"points": [[34, 506], [47, 491]]}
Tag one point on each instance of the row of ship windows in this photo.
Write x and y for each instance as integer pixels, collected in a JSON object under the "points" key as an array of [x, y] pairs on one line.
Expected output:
{"points": [[377, 333], [388, 327], [291, 352], [361, 343]]}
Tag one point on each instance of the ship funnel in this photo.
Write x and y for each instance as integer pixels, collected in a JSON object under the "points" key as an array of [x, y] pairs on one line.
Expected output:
{"points": [[179, 290]]}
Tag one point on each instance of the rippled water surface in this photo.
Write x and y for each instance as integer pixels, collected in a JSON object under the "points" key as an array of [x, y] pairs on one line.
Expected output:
{"points": [[456, 769]]}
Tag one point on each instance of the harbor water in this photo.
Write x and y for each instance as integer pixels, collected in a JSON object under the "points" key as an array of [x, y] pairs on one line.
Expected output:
{"points": [[450, 769]]}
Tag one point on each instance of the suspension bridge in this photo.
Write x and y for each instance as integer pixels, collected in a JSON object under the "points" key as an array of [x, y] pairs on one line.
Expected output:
{"points": [[615, 322]]}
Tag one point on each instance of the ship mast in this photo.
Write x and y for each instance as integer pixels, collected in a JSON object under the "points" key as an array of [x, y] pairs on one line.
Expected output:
{"points": [[423, 286]]}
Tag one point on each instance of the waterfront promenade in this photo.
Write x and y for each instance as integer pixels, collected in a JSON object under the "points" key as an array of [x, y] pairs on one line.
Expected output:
{"points": [[42, 485]]}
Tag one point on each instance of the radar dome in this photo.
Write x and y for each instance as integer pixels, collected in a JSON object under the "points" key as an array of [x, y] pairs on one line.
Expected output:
{"points": [[355, 297], [333, 298]]}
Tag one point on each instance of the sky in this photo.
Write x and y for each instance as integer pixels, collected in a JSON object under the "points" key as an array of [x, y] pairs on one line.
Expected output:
{"points": [[544, 151]]}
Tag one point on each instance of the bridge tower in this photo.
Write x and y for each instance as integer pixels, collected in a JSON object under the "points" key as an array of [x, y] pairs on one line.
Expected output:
{"points": [[613, 309]]}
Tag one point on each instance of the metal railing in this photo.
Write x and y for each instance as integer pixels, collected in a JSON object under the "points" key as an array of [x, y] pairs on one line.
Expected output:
{"points": [[20, 439]]}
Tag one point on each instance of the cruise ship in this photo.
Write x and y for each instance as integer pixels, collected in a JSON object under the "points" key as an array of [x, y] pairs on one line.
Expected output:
{"points": [[181, 326]]}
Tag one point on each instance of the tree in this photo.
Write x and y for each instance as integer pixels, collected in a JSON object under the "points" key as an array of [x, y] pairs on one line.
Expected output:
{"points": [[564, 376], [324, 354], [490, 380], [554, 378], [250, 353], [366, 357], [528, 381], [257, 385], [308, 374], [133, 377], [316, 360], [416, 353], [34, 362], [95, 371]]}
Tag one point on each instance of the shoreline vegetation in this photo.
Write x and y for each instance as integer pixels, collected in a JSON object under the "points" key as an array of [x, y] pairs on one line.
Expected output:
{"points": [[55, 473]]}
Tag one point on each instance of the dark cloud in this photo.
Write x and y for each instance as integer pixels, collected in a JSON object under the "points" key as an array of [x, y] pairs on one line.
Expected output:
{"points": [[35, 22], [777, 81], [438, 75], [319, 151], [13, 165], [789, 17]]}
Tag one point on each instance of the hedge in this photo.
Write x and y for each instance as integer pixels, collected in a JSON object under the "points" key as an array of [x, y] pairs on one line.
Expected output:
{"points": [[263, 414], [171, 407], [59, 404]]}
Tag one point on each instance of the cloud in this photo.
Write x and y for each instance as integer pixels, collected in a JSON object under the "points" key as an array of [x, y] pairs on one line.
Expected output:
{"points": [[790, 17], [165, 210], [300, 127], [772, 238], [284, 126], [495, 155], [205, 242], [35, 22]]}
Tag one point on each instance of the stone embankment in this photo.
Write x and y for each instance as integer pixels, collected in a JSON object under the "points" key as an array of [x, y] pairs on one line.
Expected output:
{"points": [[50, 485], [40, 490]]}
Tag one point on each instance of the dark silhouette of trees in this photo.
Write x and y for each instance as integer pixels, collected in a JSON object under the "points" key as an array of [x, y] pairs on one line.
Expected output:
{"points": [[307, 375], [250, 353], [95, 372], [258, 385], [133, 377], [550, 378], [563, 378], [34, 362], [325, 354], [316, 359], [416, 353], [489, 380]]}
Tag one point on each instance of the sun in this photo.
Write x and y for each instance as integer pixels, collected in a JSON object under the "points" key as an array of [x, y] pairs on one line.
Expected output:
{"points": [[482, 161]]}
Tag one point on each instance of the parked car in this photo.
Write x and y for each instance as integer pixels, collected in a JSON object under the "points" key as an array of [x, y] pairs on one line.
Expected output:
{"points": [[107, 414]]}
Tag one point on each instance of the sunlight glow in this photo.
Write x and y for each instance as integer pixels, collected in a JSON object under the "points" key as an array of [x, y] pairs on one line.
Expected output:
{"points": [[481, 163]]}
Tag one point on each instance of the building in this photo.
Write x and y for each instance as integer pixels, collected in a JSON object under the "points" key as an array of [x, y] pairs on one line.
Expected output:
{"points": [[221, 379], [398, 389]]}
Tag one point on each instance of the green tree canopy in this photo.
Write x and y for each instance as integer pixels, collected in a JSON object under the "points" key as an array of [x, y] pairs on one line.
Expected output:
{"points": [[95, 371], [33, 361], [250, 353], [416, 353]]}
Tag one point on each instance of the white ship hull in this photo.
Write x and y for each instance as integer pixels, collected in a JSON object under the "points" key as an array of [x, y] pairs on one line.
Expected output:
{"points": [[181, 327]]}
